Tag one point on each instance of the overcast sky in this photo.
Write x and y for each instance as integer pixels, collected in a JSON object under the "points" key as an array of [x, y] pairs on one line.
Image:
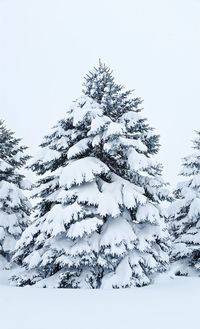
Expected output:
{"points": [[153, 46]]}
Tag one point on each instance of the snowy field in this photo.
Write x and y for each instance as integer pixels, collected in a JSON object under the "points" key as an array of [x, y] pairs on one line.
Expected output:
{"points": [[170, 303]]}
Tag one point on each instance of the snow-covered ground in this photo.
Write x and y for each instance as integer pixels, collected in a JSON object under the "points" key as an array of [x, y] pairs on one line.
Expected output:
{"points": [[168, 304]]}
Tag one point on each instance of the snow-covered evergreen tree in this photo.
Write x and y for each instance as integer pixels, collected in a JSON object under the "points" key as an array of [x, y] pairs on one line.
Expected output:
{"points": [[14, 206], [184, 215], [99, 222]]}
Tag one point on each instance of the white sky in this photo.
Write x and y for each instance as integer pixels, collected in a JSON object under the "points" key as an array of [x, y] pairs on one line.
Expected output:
{"points": [[153, 46]]}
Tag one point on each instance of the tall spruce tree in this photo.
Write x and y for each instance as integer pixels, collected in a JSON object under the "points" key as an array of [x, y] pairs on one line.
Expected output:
{"points": [[14, 206], [99, 222], [184, 216]]}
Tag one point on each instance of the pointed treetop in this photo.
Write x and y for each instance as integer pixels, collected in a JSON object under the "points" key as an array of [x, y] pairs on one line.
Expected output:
{"points": [[98, 81], [196, 141], [10, 149], [100, 85], [191, 163]]}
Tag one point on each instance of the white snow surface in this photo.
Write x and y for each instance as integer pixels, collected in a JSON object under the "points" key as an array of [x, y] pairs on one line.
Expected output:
{"points": [[82, 170], [168, 304]]}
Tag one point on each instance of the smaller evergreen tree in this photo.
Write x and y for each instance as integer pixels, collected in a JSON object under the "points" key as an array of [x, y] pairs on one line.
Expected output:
{"points": [[14, 206], [184, 214]]}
